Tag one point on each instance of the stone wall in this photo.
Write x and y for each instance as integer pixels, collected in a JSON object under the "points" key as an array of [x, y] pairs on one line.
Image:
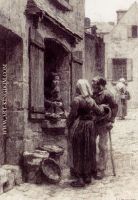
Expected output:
{"points": [[13, 20], [12, 57], [94, 56], [15, 103]]}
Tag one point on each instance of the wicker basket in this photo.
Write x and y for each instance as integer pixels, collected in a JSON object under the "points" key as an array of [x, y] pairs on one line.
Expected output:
{"points": [[51, 170]]}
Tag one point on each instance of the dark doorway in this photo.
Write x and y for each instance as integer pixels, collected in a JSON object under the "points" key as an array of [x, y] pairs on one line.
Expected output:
{"points": [[57, 60]]}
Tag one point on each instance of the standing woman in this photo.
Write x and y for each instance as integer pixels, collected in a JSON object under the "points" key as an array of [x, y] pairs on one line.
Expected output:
{"points": [[122, 96], [81, 134]]}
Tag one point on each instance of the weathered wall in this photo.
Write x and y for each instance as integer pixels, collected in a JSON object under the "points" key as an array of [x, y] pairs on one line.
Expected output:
{"points": [[12, 51], [94, 57], [90, 61], [66, 18], [12, 17], [118, 44], [15, 125]]}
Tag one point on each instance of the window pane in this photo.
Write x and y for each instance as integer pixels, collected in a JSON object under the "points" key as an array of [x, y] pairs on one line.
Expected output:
{"points": [[134, 31], [119, 69], [119, 61]]}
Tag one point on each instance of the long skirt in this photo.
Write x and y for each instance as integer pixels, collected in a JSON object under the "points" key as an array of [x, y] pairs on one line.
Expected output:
{"points": [[122, 107], [83, 148]]}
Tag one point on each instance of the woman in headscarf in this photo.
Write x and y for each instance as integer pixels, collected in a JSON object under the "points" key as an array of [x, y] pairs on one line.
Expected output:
{"points": [[122, 96], [81, 134]]}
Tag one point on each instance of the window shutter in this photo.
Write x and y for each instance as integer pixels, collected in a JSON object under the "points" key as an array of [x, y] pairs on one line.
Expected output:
{"points": [[109, 69], [76, 70], [129, 70], [129, 31], [37, 109]]}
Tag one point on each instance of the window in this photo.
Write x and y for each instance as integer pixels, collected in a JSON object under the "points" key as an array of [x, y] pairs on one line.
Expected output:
{"points": [[118, 68], [134, 31]]}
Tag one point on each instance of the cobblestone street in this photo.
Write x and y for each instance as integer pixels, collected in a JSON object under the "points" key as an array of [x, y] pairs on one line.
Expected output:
{"points": [[122, 187]]}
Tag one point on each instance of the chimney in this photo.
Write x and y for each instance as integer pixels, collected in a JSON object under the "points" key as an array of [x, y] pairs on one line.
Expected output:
{"points": [[120, 14], [87, 22]]}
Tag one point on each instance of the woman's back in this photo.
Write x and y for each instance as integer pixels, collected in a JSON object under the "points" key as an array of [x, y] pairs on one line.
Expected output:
{"points": [[85, 105]]}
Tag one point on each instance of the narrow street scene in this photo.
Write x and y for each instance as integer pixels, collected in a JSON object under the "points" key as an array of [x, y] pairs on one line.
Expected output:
{"points": [[68, 100]]}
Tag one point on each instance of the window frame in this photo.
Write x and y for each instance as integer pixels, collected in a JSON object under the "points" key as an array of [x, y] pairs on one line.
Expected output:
{"points": [[134, 30], [129, 68], [122, 63]]}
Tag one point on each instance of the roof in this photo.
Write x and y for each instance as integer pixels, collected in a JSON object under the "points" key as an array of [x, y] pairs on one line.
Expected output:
{"points": [[39, 8], [59, 3], [121, 10], [103, 27], [134, 5]]}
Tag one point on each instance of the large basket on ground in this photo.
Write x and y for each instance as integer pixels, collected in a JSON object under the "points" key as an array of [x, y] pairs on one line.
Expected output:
{"points": [[51, 170]]}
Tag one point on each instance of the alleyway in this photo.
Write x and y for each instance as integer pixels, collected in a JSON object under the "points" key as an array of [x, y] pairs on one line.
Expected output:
{"points": [[122, 187]]}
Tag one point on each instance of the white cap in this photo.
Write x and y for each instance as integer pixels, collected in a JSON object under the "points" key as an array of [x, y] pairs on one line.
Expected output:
{"points": [[122, 80]]}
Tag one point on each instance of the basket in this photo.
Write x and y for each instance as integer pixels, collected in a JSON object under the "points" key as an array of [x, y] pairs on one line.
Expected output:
{"points": [[51, 170]]}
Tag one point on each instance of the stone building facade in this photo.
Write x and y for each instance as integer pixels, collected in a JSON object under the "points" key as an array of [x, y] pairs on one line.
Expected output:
{"points": [[121, 50], [37, 37], [94, 52]]}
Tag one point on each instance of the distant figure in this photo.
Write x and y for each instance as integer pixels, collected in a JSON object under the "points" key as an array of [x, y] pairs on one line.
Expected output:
{"points": [[122, 96], [81, 134]]}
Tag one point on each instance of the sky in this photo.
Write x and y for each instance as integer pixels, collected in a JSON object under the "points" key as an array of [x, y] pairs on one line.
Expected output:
{"points": [[105, 10]]}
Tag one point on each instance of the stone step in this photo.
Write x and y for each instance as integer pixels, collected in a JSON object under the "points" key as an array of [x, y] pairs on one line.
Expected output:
{"points": [[10, 175], [6, 180], [32, 163], [16, 170]]}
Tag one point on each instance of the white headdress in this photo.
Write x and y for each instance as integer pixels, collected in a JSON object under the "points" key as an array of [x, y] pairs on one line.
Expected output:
{"points": [[83, 87]]}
